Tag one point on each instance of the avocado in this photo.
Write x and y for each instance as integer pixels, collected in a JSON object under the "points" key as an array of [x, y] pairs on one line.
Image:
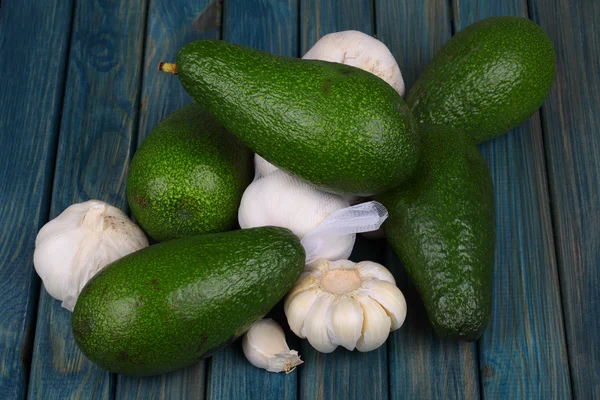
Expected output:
{"points": [[188, 176], [442, 226], [169, 305], [487, 79], [338, 127]]}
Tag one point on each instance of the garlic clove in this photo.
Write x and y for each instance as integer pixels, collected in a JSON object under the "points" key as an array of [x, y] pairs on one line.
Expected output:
{"points": [[319, 265], [306, 282], [315, 330], [297, 309], [342, 264], [376, 326], [345, 322], [265, 347], [371, 270], [389, 297]]}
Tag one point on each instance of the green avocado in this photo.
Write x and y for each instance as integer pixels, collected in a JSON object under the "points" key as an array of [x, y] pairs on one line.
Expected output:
{"points": [[343, 129], [489, 78], [188, 176], [169, 305], [442, 226]]}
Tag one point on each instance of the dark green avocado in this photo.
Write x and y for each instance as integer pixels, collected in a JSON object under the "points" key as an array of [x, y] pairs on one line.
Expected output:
{"points": [[489, 78], [343, 129], [169, 305], [188, 176], [441, 224]]}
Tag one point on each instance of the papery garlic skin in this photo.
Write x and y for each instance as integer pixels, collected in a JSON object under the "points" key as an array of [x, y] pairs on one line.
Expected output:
{"points": [[265, 347], [83, 239], [262, 167], [342, 303], [359, 50], [280, 199]]}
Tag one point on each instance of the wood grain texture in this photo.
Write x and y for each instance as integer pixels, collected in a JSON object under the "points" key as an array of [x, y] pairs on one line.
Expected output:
{"points": [[31, 90], [522, 353], [421, 364], [268, 25], [341, 374], [571, 122], [171, 24], [344, 374], [99, 122], [320, 17]]}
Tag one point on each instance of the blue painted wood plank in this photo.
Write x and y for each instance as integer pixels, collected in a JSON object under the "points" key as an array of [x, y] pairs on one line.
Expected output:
{"points": [[171, 24], [320, 17], [99, 122], [33, 48], [421, 364], [522, 353], [341, 374], [268, 25], [571, 122]]}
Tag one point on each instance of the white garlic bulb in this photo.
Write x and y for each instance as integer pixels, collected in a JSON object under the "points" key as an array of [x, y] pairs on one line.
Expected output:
{"points": [[359, 50], [265, 347], [262, 167], [280, 199], [84, 238], [343, 303]]}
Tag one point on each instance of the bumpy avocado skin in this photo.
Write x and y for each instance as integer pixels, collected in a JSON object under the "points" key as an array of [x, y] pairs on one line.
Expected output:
{"points": [[171, 304], [188, 176], [442, 226], [489, 78], [341, 128]]}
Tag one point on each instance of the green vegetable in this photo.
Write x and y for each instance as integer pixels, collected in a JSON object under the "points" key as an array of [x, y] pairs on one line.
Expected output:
{"points": [[188, 176], [441, 224], [171, 304], [339, 127], [487, 79]]}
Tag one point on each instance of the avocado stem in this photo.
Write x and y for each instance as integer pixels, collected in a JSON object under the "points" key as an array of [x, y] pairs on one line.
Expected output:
{"points": [[171, 68]]}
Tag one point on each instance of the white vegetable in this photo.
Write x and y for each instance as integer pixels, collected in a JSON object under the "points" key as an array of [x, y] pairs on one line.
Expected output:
{"points": [[265, 347], [73, 247], [359, 50], [345, 304], [280, 199]]}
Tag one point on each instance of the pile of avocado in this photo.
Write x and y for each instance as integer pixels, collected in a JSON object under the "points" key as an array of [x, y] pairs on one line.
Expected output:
{"points": [[343, 130]]}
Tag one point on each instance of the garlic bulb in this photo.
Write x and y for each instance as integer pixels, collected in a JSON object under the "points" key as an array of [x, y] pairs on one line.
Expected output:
{"points": [[345, 304], [262, 167], [84, 238], [359, 50], [265, 347], [280, 199]]}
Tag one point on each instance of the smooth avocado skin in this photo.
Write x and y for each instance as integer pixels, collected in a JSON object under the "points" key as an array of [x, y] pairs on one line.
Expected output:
{"points": [[487, 79], [188, 176], [169, 305], [340, 128], [442, 226]]}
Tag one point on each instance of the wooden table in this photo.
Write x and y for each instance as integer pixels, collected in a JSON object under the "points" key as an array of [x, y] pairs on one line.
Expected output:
{"points": [[79, 90]]}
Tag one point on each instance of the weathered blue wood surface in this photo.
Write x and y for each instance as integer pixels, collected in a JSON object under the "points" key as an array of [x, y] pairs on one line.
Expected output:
{"points": [[268, 25], [421, 364], [33, 51], [571, 125], [171, 24], [522, 354], [99, 123], [547, 221]]}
